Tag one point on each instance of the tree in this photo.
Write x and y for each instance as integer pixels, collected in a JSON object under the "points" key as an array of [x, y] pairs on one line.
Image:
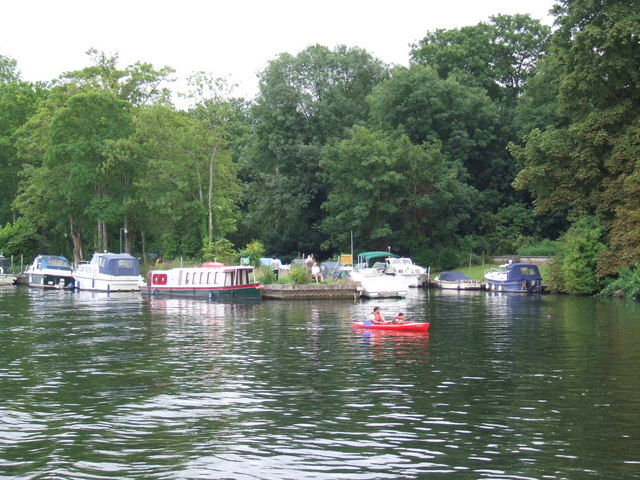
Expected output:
{"points": [[173, 152], [18, 101], [222, 115], [498, 56], [9, 72], [589, 164], [305, 102], [74, 183], [390, 192], [139, 84], [420, 104], [574, 267]]}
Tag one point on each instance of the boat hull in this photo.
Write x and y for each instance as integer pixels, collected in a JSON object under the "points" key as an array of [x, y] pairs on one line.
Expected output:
{"points": [[380, 285], [107, 284], [7, 279], [514, 287], [458, 285], [50, 281], [398, 327], [249, 292]]}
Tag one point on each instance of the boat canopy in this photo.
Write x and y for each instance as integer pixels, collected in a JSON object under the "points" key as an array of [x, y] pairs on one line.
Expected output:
{"points": [[120, 264], [522, 271], [452, 277], [52, 261], [364, 257]]}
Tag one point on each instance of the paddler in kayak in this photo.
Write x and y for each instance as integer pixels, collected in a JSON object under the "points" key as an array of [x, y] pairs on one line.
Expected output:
{"points": [[400, 318], [376, 316]]}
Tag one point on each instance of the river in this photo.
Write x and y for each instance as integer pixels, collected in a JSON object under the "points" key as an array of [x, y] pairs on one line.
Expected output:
{"points": [[96, 386]]}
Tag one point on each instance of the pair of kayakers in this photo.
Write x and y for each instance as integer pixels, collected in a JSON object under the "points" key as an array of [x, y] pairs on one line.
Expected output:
{"points": [[377, 317]]}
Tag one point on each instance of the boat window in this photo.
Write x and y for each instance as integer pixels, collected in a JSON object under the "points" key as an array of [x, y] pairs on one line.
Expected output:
{"points": [[527, 271], [228, 279], [208, 278], [186, 279], [201, 275]]}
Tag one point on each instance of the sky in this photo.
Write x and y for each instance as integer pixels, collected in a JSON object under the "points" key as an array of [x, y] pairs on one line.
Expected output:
{"points": [[234, 39]]}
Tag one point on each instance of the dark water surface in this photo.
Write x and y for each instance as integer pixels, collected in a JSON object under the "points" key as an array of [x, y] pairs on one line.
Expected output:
{"points": [[503, 387]]}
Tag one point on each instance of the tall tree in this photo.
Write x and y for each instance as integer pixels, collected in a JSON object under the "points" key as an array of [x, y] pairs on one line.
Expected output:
{"points": [[390, 192], [139, 84], [223, 115], [305, 102], [498, 56], [72, 185], [427, 108], [18, 101], [173, 151], [590, 165]]}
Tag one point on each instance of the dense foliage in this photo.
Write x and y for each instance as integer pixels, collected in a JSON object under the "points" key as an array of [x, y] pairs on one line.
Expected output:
{"points": [[498, 138]]}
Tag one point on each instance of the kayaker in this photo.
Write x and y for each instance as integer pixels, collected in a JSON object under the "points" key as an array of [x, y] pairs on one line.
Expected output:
{"points": [[376, 316], [400, 318]]}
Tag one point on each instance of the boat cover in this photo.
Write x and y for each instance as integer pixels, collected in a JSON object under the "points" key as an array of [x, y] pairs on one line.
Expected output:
{"points": [[452, 277], [52, 261], [517, 272], [120, 264]]}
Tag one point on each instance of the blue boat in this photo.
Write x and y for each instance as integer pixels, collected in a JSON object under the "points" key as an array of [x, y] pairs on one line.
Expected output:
{"points": [[50, 271], [514, 277]]}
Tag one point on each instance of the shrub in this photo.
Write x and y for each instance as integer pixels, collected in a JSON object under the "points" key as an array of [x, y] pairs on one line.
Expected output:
{"points": [[299, 274], [628, 282], [266, 276], [220, 250], [449, 259], [574, 268], [255, 251], [19, 238]]}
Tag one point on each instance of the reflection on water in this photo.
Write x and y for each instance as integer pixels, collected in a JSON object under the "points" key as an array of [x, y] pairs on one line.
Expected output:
{"points": [[504, 387]]}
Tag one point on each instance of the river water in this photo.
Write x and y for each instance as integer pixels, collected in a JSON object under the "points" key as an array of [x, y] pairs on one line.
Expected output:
{"points": [[513, 386]]}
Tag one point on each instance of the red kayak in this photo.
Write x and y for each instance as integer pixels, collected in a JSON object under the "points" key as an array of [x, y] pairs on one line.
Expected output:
{"points": [[406, 326]]}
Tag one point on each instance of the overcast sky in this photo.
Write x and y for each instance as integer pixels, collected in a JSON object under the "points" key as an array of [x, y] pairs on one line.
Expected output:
{"points": [[234, 39]]}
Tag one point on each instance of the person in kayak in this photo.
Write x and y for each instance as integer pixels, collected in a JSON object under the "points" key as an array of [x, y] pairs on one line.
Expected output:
{"points": [[376, 316], [400, 318]]}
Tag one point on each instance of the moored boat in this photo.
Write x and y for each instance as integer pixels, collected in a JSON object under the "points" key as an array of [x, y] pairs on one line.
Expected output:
{"points": [[406, 326], [375, 280], [211, 280], [6, 277], [108, 272], [50, 271], [456, 281], [414, 275], [514, 277]]}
